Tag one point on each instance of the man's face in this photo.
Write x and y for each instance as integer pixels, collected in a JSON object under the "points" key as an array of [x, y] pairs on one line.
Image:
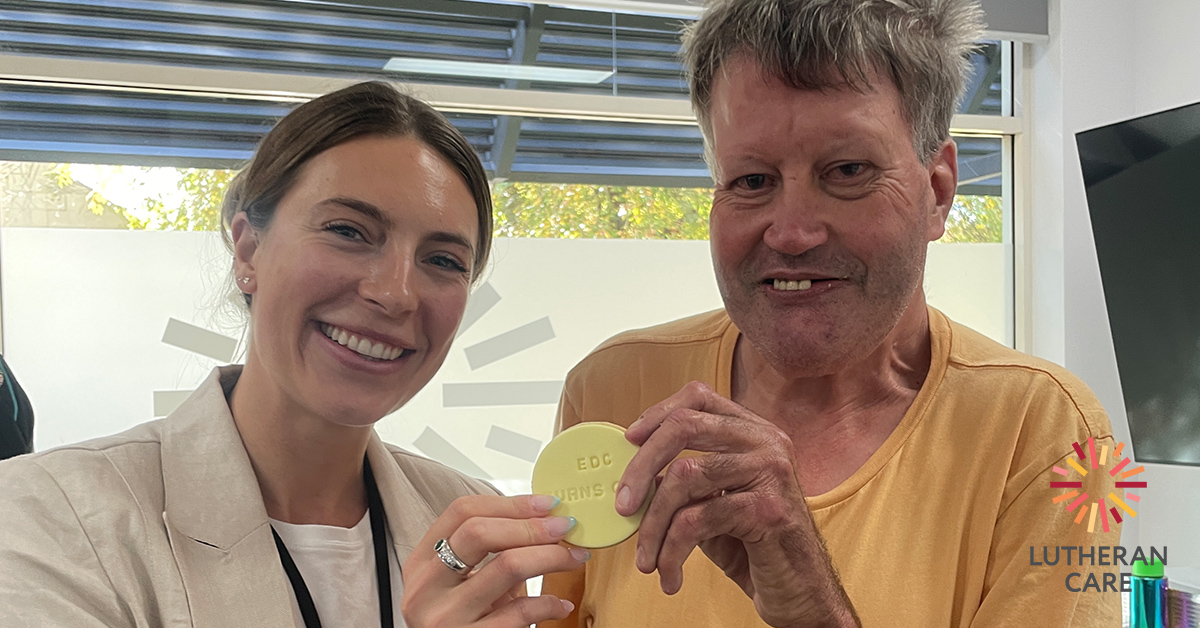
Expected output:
{"points": [[821, 215]]}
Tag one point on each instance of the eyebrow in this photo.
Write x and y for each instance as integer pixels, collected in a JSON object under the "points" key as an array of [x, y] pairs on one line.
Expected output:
{"points": [[452, 238]]}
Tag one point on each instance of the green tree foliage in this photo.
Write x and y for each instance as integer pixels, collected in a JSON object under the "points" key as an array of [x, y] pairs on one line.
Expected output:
{"points": [[204, 189], [546, 210], [525, 210], [975, 219], [196, 208]]}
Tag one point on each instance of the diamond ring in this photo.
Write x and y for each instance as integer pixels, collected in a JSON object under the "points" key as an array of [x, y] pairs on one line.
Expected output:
{"points": [[451, 560]]}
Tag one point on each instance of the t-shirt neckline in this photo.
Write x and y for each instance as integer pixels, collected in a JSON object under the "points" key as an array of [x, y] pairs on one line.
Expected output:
{"points": [[939, 335], [314, 535]]}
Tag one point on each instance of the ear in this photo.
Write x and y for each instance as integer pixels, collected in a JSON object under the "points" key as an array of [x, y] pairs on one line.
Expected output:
{"points": [[245, 245], [943, 180]]}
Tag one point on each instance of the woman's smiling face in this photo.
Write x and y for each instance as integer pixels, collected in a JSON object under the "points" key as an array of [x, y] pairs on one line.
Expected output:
{"points": [[361, 278]]}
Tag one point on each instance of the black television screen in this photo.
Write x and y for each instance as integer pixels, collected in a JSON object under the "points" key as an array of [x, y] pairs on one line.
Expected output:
{"points": [[1143, 188]]}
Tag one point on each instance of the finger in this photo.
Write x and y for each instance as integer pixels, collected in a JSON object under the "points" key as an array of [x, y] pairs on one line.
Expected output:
{"points": [[479, 536], [515, 566], [693, 396], [524, 611], [689, 527], [683, 429], [687, 480], [464, 508], [520, 590], [745, 516], [730, 555]]}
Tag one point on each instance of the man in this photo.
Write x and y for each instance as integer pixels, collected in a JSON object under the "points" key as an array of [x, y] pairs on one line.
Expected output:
{"points": [[865, 460]]}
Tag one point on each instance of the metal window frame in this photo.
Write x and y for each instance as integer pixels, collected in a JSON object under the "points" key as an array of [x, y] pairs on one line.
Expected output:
{"points": [[695, 8], [154, 78], [1022, 196]]}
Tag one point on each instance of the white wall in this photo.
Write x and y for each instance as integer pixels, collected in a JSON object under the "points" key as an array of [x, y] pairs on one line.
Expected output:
{"points": [[1168, 66], [1107, 60]]}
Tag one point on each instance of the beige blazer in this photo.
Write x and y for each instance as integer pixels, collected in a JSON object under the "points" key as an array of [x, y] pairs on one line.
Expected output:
{"points": [[164, 525]]}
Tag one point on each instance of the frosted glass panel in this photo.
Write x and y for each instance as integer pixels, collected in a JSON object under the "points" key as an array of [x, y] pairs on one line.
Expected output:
{"points": [[85, 312]]}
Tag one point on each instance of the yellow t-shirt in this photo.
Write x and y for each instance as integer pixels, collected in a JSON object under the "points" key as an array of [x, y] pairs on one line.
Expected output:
{"points": [[935, 529]]}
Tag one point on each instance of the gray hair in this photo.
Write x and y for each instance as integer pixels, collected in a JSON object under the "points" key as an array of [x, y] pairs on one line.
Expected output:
{"points": [[921, 45]]}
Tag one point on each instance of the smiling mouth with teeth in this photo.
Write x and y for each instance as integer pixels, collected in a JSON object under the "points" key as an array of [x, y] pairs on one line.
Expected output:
{"points": [[362, 346], [784, 284]]}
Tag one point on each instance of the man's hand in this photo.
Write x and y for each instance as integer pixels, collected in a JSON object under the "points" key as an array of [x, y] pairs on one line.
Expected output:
{"points": [[741, 504]]}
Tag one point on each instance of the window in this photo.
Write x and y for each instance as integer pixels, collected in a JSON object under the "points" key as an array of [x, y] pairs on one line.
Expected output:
{"points": [[116, 286]]}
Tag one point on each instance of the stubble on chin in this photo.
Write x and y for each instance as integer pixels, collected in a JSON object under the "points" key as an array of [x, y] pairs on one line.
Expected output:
{"points": [[817, 340]]}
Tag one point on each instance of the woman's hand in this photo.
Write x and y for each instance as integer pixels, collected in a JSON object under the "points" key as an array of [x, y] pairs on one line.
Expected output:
{"points": [[525, 541]]}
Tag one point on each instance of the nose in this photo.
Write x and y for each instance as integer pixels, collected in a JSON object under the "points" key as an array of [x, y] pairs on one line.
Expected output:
{"points": [[796, 222], [391, 282]]}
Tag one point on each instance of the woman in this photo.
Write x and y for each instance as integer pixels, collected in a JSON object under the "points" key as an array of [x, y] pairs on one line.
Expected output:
{"points": [[267, 499]]}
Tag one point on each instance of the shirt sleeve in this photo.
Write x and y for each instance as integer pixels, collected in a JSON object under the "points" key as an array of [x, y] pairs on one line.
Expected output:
{"points": [[1021, 589], [474, 486], [569, 585], [50, 575]]}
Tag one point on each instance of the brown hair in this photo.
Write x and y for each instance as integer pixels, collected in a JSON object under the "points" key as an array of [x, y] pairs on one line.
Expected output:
{"points": [[365, 109]]}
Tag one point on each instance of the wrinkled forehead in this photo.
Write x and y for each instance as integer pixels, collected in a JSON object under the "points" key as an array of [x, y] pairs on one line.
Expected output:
{"points": [[744, 72], [751, 109]]}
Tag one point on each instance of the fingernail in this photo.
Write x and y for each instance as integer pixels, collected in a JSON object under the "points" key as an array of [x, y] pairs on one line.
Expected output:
{"points": [[545, 503], [580, 555], [624, 497], [567, 605], [639, 561], [558, 526], [635, 423]]}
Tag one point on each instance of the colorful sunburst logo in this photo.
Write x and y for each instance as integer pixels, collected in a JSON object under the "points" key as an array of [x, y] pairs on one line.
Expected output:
{"points": [[1103, 506]]}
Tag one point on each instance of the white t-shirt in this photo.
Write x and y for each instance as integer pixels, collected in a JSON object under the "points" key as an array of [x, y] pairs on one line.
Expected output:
{"points": [[338, 566]]}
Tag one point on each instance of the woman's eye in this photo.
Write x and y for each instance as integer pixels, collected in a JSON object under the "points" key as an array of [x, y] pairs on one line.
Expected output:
{"points": [[752, 181], [346, 231], [449, 263]]}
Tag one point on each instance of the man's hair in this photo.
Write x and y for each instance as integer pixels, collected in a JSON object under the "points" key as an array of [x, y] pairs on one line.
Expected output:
{"points": [[921, 45]]}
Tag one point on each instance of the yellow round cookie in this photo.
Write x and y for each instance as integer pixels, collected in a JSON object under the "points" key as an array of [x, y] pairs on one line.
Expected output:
{"points": [[581, 466]]}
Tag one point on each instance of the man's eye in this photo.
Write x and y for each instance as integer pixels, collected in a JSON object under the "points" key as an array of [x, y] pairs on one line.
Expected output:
{"points": [[752, 181], [851, 170]]}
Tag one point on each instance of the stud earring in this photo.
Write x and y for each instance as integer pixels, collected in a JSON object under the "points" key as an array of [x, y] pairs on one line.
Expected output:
{"points": [[244, 280]]}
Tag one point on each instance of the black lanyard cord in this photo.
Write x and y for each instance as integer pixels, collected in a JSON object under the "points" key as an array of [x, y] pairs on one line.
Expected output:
{"points": [[383, 573], [304, 600]]}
